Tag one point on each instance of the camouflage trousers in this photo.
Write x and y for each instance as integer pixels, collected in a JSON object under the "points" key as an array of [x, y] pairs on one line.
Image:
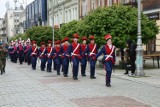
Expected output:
{"points": [[2, 66]]}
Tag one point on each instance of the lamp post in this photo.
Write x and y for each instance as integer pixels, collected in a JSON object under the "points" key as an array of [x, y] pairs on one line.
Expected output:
{"points": [[139, 51], [53, 4]]}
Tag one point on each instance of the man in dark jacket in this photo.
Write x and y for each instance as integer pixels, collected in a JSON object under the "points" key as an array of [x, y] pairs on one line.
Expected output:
{"points": [[131, 56]]}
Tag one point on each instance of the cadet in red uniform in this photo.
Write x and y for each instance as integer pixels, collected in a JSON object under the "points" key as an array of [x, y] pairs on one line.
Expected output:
{"points": [[109, 58], [49, 56], [42, 56], [76, 52], [92, 50], [58, 56], [20, 52], [65, 60], [26, 50], [33, 53], [84, 56]]}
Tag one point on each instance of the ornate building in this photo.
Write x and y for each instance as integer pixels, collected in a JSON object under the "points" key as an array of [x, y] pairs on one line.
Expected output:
{"points": [[64, 11]]}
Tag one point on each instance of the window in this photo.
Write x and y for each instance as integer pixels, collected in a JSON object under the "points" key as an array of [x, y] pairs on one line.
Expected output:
{"points": [[99, 3], [69, 15], [76, 13], [84, 7], [93, 4], [73, 13], [66, 17], [109, 3]]}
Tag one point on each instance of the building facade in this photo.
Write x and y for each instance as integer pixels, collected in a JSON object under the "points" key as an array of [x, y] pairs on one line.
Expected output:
{"points": [[36, 13], [22, 22], [11, 21], [152, 9], [1, 26], [64, 11]]}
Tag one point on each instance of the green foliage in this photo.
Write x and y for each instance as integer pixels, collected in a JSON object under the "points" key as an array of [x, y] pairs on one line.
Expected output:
{"points": [[120, 21], [22, 36], [68, 29], [42, 33]]}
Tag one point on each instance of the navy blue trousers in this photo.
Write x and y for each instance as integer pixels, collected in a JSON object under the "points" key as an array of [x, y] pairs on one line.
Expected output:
{"points": [[49, 64], [92, 68], [108, 67], [65, 65], [83, 65], [58, 64], [43, 63], [75, 68], [34, 62]]}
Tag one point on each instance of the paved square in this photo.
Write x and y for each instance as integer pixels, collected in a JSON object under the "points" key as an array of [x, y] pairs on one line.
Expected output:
{"points": [[57, 80], [109, 101]]}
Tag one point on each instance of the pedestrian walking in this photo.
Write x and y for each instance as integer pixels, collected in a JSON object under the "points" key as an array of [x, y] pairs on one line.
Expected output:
{"points": [[131, 51], [20, 52], [49, 52], [33, 53], [58, 56], [42, 56], [3, 54], [65, 58], [92, 50], [76, 55], [26, 52], [84, 56], [109, 57]]}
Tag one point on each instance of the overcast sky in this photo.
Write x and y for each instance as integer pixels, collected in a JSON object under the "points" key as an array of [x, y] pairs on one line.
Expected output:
{"points": [[11, 5]]}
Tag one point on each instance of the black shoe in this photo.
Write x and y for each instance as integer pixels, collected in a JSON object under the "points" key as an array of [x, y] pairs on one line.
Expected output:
{"points": [[65, 75], [108, 85], [92, 77], [42, 70], [75, 78], [126, 73], [58, 73], [83, 75]]}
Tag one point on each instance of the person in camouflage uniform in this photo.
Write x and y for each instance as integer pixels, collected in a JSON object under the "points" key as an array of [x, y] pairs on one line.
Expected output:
{"points": [[3, 53]]}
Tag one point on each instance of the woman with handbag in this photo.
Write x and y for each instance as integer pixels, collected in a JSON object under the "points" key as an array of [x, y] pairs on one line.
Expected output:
{"points": [[109, 58]]}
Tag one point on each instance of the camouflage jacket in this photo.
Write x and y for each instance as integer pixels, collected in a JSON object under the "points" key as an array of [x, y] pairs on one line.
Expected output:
{"points": [[3, 54]]}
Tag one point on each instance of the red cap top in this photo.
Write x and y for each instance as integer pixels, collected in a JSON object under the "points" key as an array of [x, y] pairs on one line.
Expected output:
{"points": [[34, 42], [57, 42], [49, 41], [107, 36], [91, 37], [84, 38], [65, 39], [42, 43], [75, 35]]}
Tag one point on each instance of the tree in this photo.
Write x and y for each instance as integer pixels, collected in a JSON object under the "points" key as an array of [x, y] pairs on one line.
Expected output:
{"points": [[120, 21], [18, 36], [41, 33], [68, 29]]}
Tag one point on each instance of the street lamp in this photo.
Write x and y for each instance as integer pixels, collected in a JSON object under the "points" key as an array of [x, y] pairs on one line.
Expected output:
{"points": [[139, 51], [53, 4]]}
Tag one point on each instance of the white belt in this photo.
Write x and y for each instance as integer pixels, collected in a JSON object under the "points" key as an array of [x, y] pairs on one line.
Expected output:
{"points": [[34, 54], [92, 53], [75, 54], [108, 56]]}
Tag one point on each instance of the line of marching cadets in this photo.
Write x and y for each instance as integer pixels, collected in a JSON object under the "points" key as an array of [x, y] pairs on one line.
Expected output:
{"points": [[63, 53]]}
